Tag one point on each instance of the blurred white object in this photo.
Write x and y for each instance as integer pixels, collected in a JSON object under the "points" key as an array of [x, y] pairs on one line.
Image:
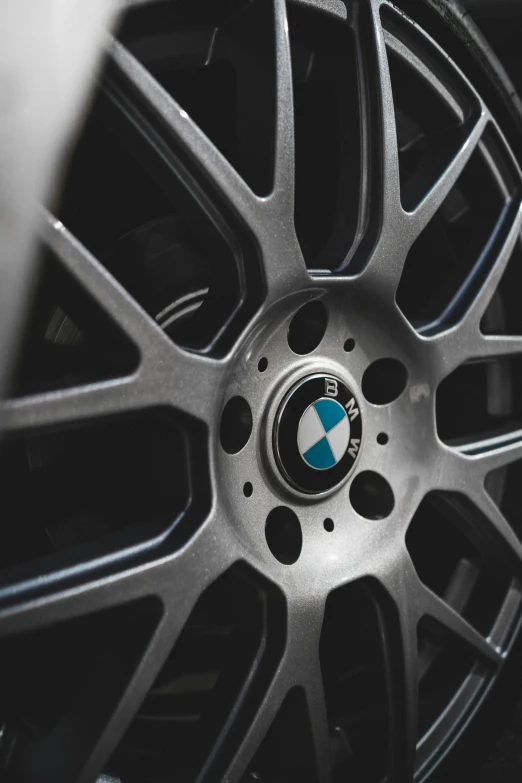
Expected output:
{"points": [[48, 55]]}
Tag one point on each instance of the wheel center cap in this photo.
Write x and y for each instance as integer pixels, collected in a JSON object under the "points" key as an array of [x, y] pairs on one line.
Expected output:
{"points": [[317, 434]]}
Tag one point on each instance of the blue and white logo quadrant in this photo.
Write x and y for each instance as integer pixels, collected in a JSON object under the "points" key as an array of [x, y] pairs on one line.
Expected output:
{"points": [[323, 434]]}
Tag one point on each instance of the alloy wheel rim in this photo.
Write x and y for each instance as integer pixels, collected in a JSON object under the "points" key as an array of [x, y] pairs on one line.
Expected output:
{"points": [[227, 524]]}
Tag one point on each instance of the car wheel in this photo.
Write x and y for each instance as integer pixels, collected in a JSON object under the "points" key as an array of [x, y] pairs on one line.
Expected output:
{"points": [[261, 461]]}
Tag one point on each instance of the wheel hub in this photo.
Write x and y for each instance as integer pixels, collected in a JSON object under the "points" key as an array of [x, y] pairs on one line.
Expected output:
{"points": [[317, 434]]}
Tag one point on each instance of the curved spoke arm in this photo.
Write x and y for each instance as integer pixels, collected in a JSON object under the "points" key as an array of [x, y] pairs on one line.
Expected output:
{"points": [[305, 624], [297, 671], [481, 515], [66, 406], [188, 383], [498, 530], [257, 730], [167, 375], [284, 180], [93, 730], [408, 602], [495, 258], [477, 460], [422, 215], [430, 605], [315, 699], [399, 228], [270, 220], [385, 265], [501, 634], [389, 152], [283, 262], [102, 286], [465, 341], [210, 161], [493, 453], [399, 629], [101, 713]]}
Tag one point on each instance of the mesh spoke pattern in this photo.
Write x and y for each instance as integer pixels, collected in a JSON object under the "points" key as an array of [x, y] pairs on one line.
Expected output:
{"points": [[207, 222]]}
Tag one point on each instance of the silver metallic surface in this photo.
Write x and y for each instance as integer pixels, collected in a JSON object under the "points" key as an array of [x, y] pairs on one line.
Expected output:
{"points": [[414, 462]]}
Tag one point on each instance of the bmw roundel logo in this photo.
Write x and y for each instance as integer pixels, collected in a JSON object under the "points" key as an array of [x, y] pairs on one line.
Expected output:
{"points": [[317, 434]]}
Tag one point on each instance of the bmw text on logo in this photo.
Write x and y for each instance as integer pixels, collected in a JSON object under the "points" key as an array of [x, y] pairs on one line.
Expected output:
{"points": [[317, 434]]}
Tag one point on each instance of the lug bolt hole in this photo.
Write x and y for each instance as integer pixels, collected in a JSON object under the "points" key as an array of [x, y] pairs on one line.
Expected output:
{"points": [[262, 364], [371, 495], [382, 439], [384, 381], [307, 328], [328, 525], [283, 535], [236, 425], [349, 345], [248, 489]]}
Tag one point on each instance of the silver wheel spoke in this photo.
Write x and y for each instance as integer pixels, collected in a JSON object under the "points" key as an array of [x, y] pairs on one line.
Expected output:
{"points": [[499, 346], [295, 671], [308, 675], [188, 383], [493, 453], [270, 219], [257, 730], [179, 601], [319, 724], [391, 195], [404, 696], [221, 175], [400, 619], [433, 606], [166, 372], [284, 180], [465, 341], [422, 215], [283, 262], [107, 730], [38, 601], [497, 267], [97, 722], [103, 287], [496, 529], [385, 266], [72, 405]]}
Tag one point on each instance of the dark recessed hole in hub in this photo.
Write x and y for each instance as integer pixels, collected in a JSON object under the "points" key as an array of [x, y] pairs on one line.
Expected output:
{"points": [[283, 535], [307, 327], [382, 439], [371, 495], [349, 345], [236, 425], [262, 364], [328, 525], [248, 489], [384, 381]]}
